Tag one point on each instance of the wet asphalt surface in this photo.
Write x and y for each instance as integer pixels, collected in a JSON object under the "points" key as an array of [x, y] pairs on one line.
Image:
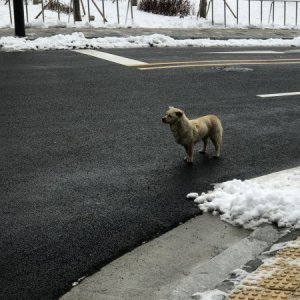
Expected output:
{"points": [[88, 170]]}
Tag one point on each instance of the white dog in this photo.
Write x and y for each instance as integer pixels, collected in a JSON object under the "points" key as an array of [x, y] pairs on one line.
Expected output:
{"points": [[189, 132]]}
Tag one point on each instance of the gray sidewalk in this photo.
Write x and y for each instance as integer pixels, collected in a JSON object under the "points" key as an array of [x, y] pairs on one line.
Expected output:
{"points": [[183, 261], [201, 33]]}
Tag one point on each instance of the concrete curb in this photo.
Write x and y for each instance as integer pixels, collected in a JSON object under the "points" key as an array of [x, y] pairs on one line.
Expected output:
{"points": [[194, 257], [177, 264], [207, 275]]}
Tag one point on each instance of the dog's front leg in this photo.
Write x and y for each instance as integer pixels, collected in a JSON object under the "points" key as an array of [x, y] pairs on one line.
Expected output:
{"points": [[189, 149]]}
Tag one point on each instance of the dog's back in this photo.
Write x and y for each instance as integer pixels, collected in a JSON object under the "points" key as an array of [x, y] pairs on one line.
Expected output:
{"points": [[208, 126]]}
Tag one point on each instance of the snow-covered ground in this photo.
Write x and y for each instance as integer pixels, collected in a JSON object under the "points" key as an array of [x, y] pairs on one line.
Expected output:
{"points": [[273, 199], [146, 20], [77, 40], [149, 20]]}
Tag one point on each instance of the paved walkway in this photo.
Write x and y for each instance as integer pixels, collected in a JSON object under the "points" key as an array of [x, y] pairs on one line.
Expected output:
{"points": [[212, 33], [277, 279]]}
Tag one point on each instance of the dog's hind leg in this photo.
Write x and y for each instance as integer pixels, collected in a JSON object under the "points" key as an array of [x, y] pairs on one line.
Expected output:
{"points": [[217, 141], [205, 140]]}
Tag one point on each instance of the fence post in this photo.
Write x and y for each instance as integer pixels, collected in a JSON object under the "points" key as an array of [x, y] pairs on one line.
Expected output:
{"points": [[26, 8], [58, 10], [131, 10], [224, 12], [89, 11], [212, 12], [296, 13], [249, 8], [9, 7], [103, 11], [43, 14], [284, 16], [261, 11], [118, 14], [273, 17], [237, 11]]}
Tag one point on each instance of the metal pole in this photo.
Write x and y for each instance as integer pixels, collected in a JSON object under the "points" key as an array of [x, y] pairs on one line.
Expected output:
{"points": [[273, 18], [89, 12], [118, 14], [261, 11], [58, 10], [296, 13], [208, 6], [26, 7], [249, 8], [10, 16], [43, 14], [131, 10], [103, 11], [270, 13], [19, 18], [237, 11], [284, 18], [224, 13], [73, 7], [212, 12], [127, 13]]}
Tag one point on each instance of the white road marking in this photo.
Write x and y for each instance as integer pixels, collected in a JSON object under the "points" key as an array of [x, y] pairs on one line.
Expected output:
{"points": [[111, 57], [279, 95], [248, 52]]}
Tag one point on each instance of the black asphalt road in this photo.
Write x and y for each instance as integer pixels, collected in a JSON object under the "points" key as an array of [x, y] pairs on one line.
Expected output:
{"points": [[88, 170]]}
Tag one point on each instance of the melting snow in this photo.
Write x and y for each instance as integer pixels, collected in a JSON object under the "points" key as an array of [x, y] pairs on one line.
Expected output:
{"points": [[251, 203]]}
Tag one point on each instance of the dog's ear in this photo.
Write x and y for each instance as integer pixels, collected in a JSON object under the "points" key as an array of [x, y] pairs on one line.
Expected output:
{"points": [[171, 107], [179, 114]]}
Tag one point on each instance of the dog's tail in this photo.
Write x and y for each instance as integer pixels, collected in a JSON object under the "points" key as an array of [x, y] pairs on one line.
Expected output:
{"points": [[217, 135], [217, 125]]}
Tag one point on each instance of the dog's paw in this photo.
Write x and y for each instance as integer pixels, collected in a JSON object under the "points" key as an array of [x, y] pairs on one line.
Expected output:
{"points": [[188, 162], [216, 157], [202, 151]]}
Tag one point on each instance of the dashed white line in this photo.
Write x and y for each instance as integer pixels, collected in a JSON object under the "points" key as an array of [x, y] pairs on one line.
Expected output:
{"points": [[111, 57], [279, 95]]}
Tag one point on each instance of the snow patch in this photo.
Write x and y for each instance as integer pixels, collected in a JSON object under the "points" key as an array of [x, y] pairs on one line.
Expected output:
{"points": [[192, 195], [252, 203], [238, 275], [210, 295], [77, 40]]}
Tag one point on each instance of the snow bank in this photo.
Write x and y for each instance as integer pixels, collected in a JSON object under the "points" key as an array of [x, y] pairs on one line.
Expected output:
{"points": [[251, 203], [77, 40]]}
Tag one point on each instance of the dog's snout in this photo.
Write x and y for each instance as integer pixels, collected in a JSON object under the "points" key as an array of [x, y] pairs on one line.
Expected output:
{"points": [[164, 119]]}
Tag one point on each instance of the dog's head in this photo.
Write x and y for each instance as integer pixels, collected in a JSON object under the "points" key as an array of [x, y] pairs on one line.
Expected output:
{"points": [[173, 115]]}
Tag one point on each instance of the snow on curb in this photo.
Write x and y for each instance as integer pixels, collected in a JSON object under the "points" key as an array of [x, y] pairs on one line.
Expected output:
{"points": [[251, 203], [77, 40]]}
